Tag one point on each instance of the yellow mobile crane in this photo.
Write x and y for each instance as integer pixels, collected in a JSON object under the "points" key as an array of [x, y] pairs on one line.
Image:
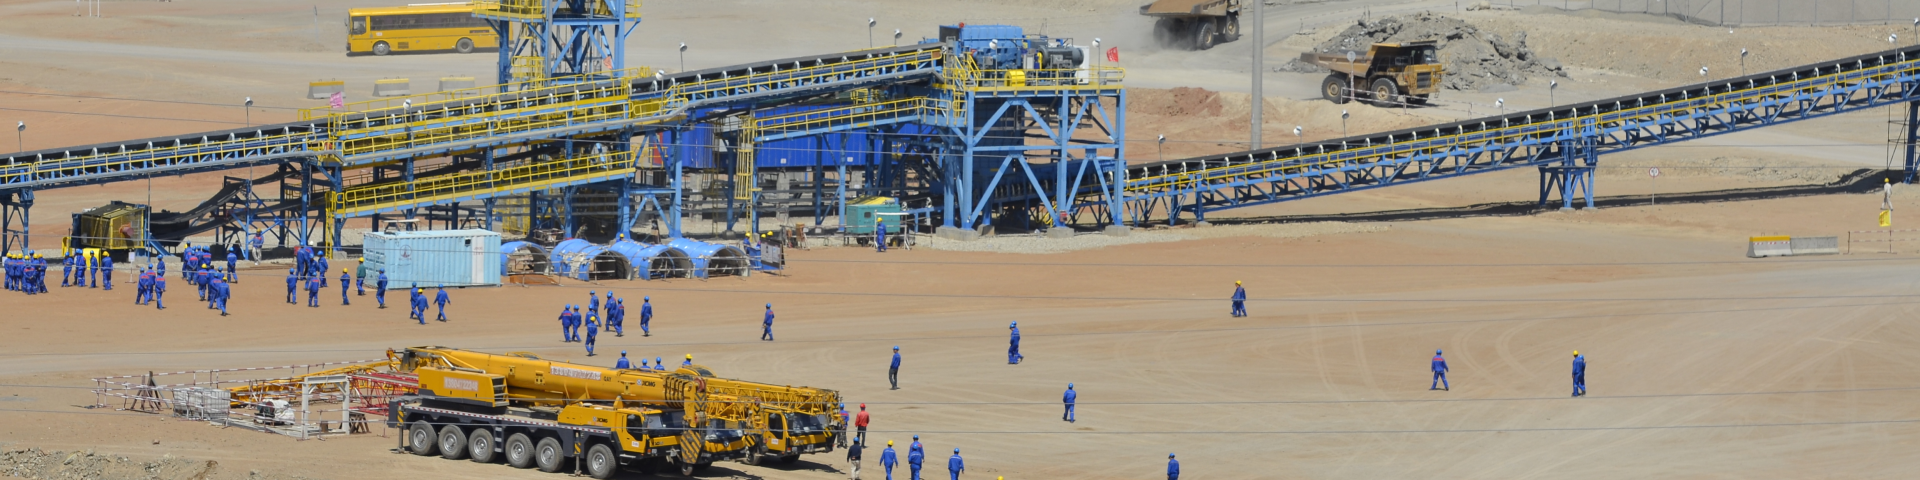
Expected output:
{"points": [[797, 419], [539, 413]]}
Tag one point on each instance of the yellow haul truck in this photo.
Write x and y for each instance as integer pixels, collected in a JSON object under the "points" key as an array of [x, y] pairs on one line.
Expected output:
{"points": [[532, 412], [1390, 74]]}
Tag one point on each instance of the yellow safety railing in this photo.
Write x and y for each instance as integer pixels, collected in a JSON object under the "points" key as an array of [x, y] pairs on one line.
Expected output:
{"points": [[960, 72], [855, 114], [355, 199], [680, 94], [559, 105], [431, 101], [743, 184], [1511, 132]]}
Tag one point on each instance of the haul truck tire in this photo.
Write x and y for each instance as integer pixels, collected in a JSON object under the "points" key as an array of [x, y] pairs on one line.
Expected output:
{"points": [[420, 438], [519, 451], [480, 445], [453, 442], [600, 462], [1230, 30], [1385, 93], [1334, 89], [1203, 34], [547, 455]]}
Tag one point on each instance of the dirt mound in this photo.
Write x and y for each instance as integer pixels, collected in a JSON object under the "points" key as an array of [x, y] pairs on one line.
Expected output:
{"points": [[1474, 59]]}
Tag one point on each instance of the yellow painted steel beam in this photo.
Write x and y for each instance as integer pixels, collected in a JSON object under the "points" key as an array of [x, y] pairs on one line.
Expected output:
{"points": [[359, 200]]}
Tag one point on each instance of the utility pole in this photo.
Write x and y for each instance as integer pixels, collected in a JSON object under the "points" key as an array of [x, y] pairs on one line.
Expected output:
{"points": [[1259, 64]]}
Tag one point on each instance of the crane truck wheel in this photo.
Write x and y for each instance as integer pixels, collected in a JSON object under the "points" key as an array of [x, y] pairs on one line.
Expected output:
{"points": [[480, 446], [453, 442], [1334, 89], [420, 438], [1203, 35], [754, 455], [519, 451], [600, 462], [547, 455], [686, 469], [1385, 93]]}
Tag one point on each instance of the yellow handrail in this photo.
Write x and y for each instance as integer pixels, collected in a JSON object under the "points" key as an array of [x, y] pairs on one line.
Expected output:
{"points": [[353, 199]]}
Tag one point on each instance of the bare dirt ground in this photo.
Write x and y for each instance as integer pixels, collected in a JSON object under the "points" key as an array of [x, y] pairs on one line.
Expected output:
{"points": [[1705, 364]]}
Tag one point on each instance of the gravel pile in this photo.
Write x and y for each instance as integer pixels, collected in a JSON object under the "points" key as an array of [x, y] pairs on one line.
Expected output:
{"points": [[1474, 59], [1036, 244]]}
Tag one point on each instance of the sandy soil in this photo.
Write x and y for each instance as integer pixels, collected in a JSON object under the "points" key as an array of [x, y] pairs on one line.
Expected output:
{"points": [[1705, 364]]}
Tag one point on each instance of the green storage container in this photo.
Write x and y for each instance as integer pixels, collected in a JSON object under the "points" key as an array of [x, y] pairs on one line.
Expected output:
{"points": [[861, 213]]}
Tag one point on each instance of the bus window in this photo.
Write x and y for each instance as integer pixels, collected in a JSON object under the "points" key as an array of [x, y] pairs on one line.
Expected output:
{"points": [[359, 26]]}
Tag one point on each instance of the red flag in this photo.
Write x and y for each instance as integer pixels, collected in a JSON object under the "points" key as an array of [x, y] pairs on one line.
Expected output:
{"points": [[1113, 54], [337, 100]]}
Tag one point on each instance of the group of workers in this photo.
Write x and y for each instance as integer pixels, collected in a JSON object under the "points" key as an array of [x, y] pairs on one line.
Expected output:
{"points": [[153, 285], [658, 364], [571, 319], [90, 269], [418, 303], [26, 272], [916, 458]]}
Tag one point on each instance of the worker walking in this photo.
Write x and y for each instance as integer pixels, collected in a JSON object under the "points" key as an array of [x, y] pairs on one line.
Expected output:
{"points": [[380, 289], [646, 316], [893, 370], [766, 326], [313, 290], [955, 465], [360, 278], [593, 303], [1579, 374], [853, 459], [860, 422], [1439, 373], [145, 285], [293, 282], [159, 289], [879, 235], [232, 259], [566, 326], [345, 276], [1173, 468], [1239, 299], [106, 271], [420, 305], [1068, 399], [66, 269], [440, 301], [624, 364], [320, 268], [888, 459], [617, 317], [1013, 346], [840, 427], [915, 456], [593, 330], [221, 290]]}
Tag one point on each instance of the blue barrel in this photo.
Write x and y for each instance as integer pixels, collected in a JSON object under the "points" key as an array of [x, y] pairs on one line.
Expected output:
{"points": [[712, 259], [653, 261], [523, 258]]}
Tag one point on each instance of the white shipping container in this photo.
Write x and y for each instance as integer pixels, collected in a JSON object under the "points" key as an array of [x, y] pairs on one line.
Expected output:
{"points": [[454, 258]]}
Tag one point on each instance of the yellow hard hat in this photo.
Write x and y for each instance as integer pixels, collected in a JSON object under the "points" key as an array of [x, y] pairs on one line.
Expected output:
{"points": [[1236, 282], [889, 443], [1576, 353], [689, 356]]}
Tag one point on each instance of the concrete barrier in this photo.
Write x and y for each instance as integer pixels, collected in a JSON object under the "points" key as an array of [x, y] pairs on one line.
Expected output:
{"points": [[325, 90], [392, 87], [1815, 245], [455, 83], [1785, 246]]}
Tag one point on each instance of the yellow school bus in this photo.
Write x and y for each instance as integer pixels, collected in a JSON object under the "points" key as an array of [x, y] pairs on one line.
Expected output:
{"points": [[418, 28]]}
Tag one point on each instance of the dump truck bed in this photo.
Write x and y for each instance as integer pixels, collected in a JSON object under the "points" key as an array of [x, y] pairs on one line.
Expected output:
{"points": [[1339, 63], [1186, 8]]}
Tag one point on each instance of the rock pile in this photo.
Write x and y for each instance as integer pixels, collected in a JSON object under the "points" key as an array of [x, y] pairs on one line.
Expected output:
{"points": [[1474, 59]]}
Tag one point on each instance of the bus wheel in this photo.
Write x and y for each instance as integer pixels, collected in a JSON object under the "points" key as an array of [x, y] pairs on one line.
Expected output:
{"points": [[381, 48], [463, 46]]}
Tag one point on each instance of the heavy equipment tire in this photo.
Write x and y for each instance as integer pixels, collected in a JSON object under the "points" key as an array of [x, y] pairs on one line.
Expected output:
{"points": [[480, 445], [548, 456], [1385, 93], [600, 462], [463, 46], [453, 442], [754, 456], [1204, 32], [1230, 29], [1334, 89], [686, 469], [1417, 99], [421, 438], [1166, 32], [519, 451], [382, 49]]}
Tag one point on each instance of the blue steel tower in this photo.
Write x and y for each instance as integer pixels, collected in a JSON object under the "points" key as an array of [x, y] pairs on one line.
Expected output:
{"points": [[541, 39]]}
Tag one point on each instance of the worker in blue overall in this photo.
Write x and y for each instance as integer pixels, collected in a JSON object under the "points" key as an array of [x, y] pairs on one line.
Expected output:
{"points": [[413, 301], [145, 285], [609, 303], [293, 285], [1239, 300], [345, 276], [1013, 345], [593, 330], [593, 303], [11, 265], [160, 267], [617, 317], [888, 459], [213, 294], [893, 369], [915, 456], [232, 260], [420, 305], [303, 258], [159, 289], [1173, 468], [37, 275], [360, 278], [766, 326], [879, 235], [221, 291], [201, 277], [440, 301], [1068, 398], [956, 466], [624, 364], [313, 290], [1439, 373], [106, 271], [1579, 374], [646, 316], [684, 363], [66, 270], [379, 288], [565, 325]]}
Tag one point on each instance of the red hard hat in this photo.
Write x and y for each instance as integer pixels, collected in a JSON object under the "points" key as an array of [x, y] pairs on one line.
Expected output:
{"points": [[863, 405]]}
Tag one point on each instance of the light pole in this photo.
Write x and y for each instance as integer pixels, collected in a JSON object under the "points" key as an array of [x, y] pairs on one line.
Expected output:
{"points": [[683, 56], [870, 24], [1501, 105], [20, 136], [1703, 73], [896, 37], [249, 108], [1296, 137], [1096, 60], [1161, 146], [1551, 86], [1743, 62], [1343, 123]]}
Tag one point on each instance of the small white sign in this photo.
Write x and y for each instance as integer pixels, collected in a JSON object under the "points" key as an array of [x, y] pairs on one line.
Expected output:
{"points": [[1653, 172]]}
